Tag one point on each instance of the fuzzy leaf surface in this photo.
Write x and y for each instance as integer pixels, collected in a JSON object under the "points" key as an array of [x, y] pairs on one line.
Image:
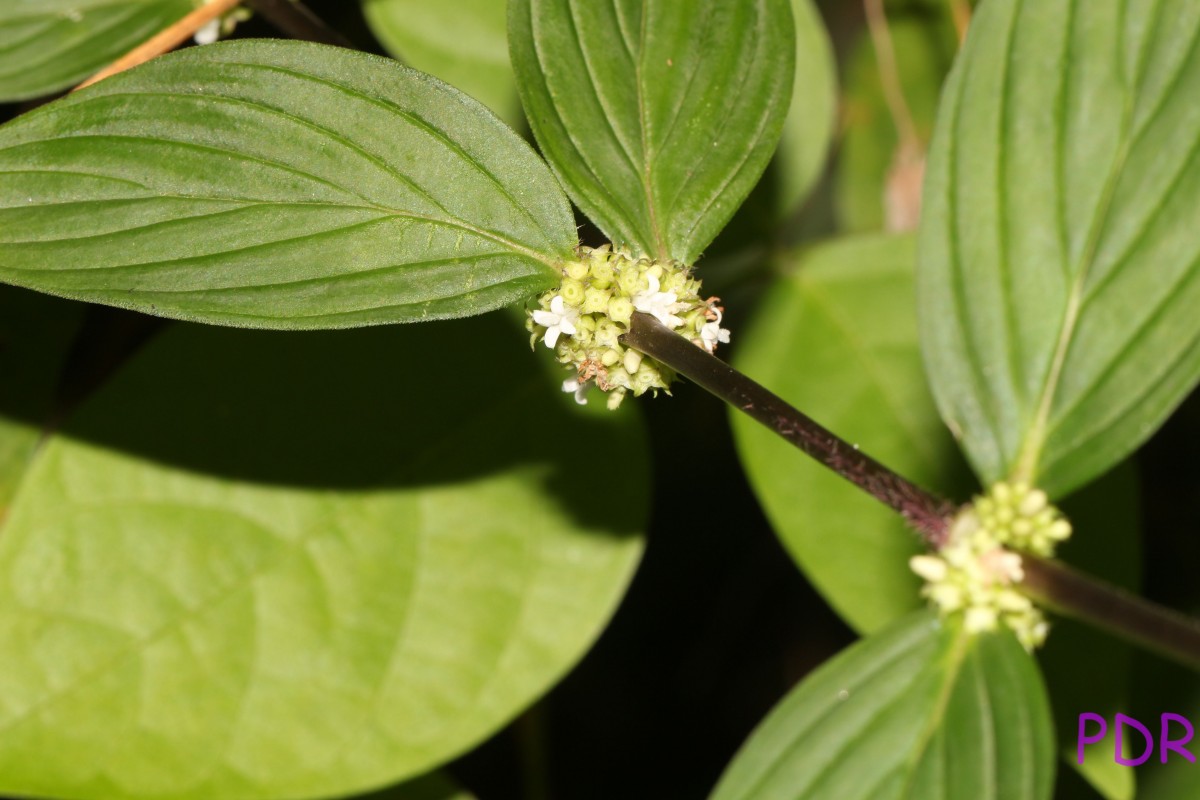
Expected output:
{"points": [[1059, 256], [49, 45], [918, 710], [278, 184], [658, 115]]}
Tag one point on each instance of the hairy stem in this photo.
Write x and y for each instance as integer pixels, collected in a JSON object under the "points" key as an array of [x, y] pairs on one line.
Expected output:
{"points": [[1073, 594], [926, 512], [1049, 583]]}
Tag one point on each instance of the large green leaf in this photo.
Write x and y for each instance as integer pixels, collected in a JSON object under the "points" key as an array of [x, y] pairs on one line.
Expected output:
{"points": [[919, 710], [837, 337], [463, 42], [1059, 249], [658, 115], [808, 128], [266, 566], [48, 45], [278, 184], [35, 335]]}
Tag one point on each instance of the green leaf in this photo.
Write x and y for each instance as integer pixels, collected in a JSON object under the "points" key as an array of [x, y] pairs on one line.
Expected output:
{"points": [[918, 710], [266, 566], [837, 338], [36, 333], [1059, 250], [463, 42], [278, 185], [49, 45], [658, 115], [808, 127]]}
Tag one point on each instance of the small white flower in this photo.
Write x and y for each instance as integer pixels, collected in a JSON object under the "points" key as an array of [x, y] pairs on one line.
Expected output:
{"points": [[931, 568], [578, 387], [209, 33], [658, 304], [561, 318], [980, 619], [710, 334]]}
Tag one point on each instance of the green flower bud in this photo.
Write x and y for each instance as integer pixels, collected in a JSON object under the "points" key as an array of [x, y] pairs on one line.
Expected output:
{"points": [[595, 301], [608, 333], [576, 271], [572, 292], [602, 273], [620, 309], [631, 282]]}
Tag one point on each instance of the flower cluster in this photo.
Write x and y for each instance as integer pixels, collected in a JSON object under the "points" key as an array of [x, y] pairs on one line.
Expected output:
{"points": [[583, 319], [977, 570]]}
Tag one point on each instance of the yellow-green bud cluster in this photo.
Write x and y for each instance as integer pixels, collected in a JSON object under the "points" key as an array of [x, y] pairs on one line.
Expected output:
{"points": [[977, 571], [583, 319]]}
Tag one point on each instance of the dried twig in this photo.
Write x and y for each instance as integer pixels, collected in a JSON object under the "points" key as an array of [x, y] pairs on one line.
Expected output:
{"points": [[165, 40]]}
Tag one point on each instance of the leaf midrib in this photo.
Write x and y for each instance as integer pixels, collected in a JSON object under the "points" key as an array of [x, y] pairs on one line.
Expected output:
{"points": [[1026, 466], [952, 671], [452, 222]]}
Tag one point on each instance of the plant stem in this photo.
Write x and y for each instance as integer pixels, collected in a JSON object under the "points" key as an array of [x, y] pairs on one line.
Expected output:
{"points": [[1073, 594], [298, 21], [926, 512], [167, 39], [1049, 583]]}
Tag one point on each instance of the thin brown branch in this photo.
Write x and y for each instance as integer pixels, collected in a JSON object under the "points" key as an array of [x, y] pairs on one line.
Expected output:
{"points": [[925, 511], [960, 12], [165, 40], [889, 75]]}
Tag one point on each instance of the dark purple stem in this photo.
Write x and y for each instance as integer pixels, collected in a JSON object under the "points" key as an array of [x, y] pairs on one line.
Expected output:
{"points": [[1049, 583], [1058, 587], [926, 512]]}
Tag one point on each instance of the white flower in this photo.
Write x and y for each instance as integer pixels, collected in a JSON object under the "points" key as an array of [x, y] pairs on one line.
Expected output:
{"points": [[659, 304], [578, 387], [561, 318], [710, 334], [209, 33]]}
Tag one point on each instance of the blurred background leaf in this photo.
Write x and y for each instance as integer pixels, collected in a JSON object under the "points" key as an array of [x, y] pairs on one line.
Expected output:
{"points": [[463, 42], [264, 565], [837, 337], [925, 43], [50, 45], [809, 126]]}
